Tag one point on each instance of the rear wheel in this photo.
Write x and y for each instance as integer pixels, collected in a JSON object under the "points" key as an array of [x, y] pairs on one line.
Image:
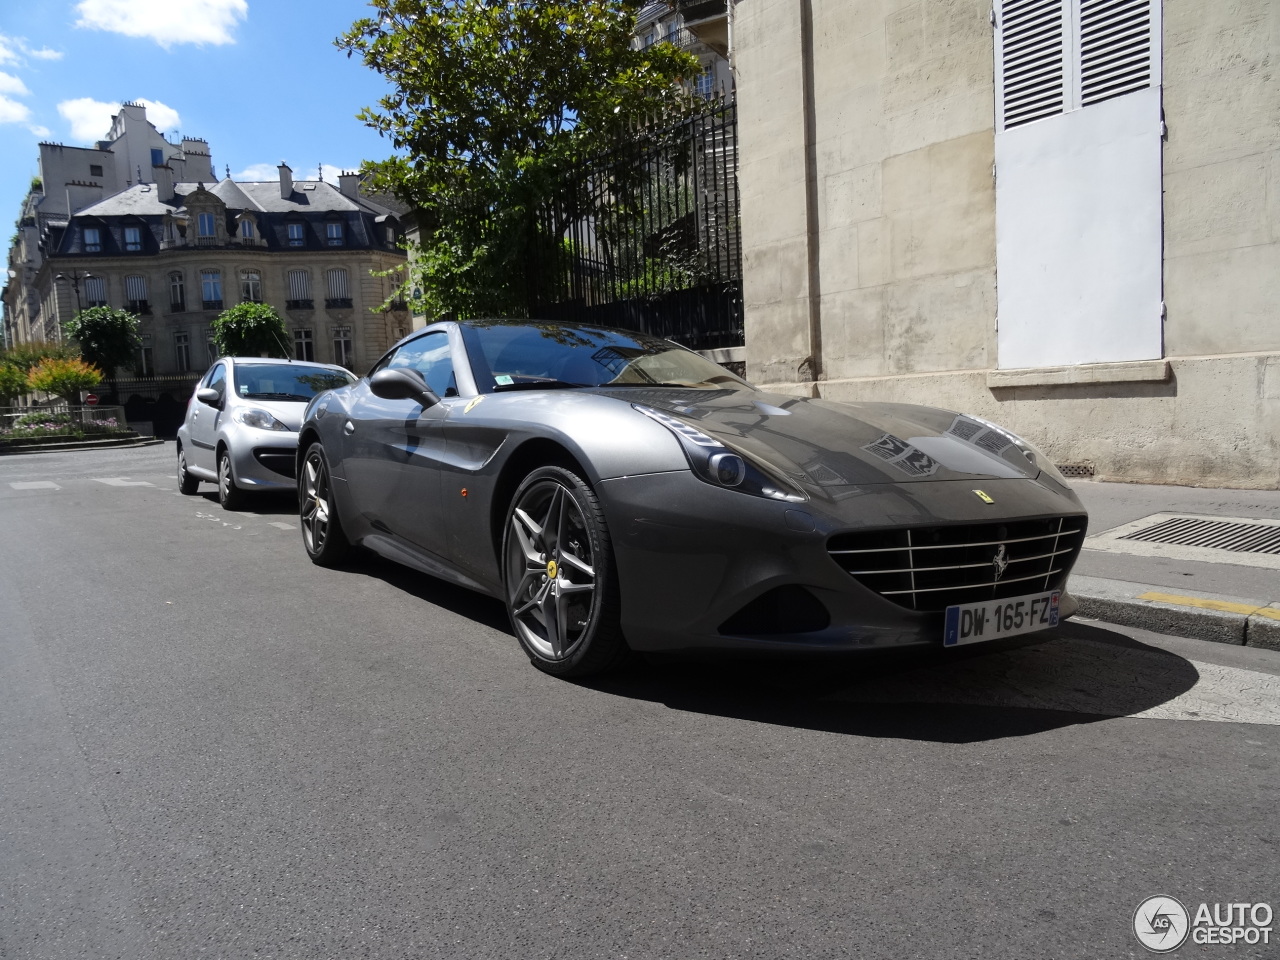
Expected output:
{"points": [[229, 495], [322, 531], [187, 484], [561, 586]]}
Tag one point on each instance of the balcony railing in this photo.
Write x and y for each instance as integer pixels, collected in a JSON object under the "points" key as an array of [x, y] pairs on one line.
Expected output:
{"points": [[177, 306], [211, 305], [338, 303], [299, 304], [140, 307]]}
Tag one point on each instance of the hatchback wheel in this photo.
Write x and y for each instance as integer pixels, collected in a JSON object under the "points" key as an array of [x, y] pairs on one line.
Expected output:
{"points": [[561, 586], [321, 529], [186, 482], [229, 495]]}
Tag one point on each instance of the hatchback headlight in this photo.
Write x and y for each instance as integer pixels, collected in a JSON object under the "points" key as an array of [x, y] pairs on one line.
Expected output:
{"points": [[723, 466], [262, 419]]}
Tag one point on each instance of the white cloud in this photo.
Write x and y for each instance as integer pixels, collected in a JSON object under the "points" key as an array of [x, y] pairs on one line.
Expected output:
{"points": [[11, 84], [165, 21], [163, 116], [261, 172], [15, 50], [11, 111], [40, 131], [90, 119]]}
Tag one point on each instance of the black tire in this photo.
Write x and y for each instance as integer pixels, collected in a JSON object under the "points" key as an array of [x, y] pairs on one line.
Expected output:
{"points": [[561, 585], [187, 484], [229, 495], [322, 532]]}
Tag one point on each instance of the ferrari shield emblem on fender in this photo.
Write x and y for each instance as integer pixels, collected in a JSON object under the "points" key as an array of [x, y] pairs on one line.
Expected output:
{"points": [[985, 498]]}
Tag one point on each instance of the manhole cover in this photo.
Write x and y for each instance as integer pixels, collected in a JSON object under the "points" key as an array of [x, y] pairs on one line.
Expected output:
{"points": [[1239, 540]]}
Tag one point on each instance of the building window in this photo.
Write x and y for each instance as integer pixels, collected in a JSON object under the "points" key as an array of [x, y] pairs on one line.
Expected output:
{"points": [[146, 358], [210, 347], [704, 84], [299, 291], [246, 229], [251, 286], [339, 292], [177, 293], [157, 157], [135, 292], [95, 169], [296, 238], [182, 351], [333, 233], [133, 238], [92, 240], [205, 225], [95, 292], [342, 349], [303, 345], [211, 289]]}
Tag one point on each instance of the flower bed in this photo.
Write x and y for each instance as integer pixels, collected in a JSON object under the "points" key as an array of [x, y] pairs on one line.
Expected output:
{"points": [[42, 424]]}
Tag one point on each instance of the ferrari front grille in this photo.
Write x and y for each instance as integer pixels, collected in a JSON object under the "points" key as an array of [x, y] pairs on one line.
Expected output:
{"points": [[930, 568]]}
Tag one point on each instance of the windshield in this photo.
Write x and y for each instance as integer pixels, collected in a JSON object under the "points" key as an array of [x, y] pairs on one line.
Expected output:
{"points": [[286, 381], [533, 355]]}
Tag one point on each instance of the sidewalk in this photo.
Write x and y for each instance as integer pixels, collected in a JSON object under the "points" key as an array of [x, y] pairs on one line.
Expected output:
{"points": [[1128, 574]]}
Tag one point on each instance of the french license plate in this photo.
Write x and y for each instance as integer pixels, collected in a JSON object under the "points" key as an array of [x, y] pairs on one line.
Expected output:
{"points": [[994, 619]]}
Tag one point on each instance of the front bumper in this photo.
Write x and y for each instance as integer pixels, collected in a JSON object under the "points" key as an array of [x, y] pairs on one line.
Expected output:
{"points": [[263, 459], [691, 557]]}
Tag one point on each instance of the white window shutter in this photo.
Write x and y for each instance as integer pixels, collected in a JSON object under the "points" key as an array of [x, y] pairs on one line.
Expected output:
{"points": [[1117, 43], [1031, 60]]}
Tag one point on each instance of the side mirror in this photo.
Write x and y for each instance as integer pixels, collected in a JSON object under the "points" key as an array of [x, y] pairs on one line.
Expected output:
{"points": [[402, 383], [209, 396]]}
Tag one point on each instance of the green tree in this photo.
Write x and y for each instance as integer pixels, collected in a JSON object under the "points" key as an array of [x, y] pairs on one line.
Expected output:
{"points": [[250, 330], [24, 356], [492, 104], [64, 378], [13, 381], [108, 337]]}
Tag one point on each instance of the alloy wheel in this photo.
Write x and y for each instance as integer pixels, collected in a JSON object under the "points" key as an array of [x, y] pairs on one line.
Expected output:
{"points": [[551, 575], [315, 508]]}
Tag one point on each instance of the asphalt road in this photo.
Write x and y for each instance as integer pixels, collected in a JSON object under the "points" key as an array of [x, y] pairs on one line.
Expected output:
{"points": [[211, 748]]}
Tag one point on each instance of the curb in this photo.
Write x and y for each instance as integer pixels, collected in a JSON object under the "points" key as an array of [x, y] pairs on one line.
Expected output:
{"points": [[126, 444], [1187, 613]]}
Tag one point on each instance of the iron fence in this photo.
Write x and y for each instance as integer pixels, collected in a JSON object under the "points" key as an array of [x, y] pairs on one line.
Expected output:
{"points": [[647, 236]]}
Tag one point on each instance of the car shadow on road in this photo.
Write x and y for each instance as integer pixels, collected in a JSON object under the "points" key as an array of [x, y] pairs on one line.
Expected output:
{"points": [[1083, 674]]}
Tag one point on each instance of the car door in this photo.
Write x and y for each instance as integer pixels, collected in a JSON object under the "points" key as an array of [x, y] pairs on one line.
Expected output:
{"points": [[394, 448], [203, 425]]}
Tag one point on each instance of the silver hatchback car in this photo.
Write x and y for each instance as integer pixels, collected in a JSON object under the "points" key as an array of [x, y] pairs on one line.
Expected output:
{"points": [[241, 427]]}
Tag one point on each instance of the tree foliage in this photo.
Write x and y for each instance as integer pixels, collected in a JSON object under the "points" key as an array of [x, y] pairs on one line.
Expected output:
{"points": [[24, 356], [64, 377], [108, 337], [13, 381], [250, 330], [492, 104]]}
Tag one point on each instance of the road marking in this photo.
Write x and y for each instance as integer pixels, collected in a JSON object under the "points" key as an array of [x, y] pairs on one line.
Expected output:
{"points": [[1225, 606], [283, 526], [123, 482], [34, 485]]}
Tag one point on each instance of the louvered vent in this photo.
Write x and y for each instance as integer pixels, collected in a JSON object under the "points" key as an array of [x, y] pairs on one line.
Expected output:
{"points": [[1115, 48], [1032, 56]]}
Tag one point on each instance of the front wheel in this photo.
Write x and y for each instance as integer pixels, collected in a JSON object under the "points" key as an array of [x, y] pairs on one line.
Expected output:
{"points": [[187, 484], [561, 586], [229, 495], [322, 532]]}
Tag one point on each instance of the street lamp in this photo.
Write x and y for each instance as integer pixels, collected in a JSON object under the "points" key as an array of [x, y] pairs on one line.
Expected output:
{"points": [[74, 280]]}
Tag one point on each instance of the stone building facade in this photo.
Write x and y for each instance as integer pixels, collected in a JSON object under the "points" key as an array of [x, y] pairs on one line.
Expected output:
{"points": [[1057, 214]]}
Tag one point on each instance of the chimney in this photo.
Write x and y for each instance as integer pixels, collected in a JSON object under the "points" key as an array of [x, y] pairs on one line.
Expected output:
{"points": [[286, 181], [162, 174], [349, 184]]}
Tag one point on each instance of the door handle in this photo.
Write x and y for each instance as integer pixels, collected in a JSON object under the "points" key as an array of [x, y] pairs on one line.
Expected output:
{"points": [[348, 428]]}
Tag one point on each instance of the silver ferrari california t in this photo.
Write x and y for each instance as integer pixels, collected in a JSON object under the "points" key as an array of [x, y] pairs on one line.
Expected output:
{"points": [[619, 492]]}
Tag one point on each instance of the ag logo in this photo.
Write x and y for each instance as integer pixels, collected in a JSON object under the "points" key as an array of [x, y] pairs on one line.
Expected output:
{"points": [[1161, 924]]}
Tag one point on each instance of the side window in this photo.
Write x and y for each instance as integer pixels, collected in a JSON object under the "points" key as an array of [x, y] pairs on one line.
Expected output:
{"points": [[431, 357], [218, 379]]}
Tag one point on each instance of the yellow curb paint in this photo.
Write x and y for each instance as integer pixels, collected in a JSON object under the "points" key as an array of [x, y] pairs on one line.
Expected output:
{"points": [[1271, 613], [1225, 606]]}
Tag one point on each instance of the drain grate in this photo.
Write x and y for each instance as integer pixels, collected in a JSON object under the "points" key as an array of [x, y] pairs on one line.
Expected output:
{"points": [[1234, 535], [1070, 470]]}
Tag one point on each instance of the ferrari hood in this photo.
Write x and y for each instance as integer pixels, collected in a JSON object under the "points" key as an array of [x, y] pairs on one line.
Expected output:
{"points": [[825, 445]]}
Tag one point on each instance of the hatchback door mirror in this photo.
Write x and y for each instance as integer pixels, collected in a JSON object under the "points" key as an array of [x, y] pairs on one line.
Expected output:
{"points": [[402, 383], [209, 396]]}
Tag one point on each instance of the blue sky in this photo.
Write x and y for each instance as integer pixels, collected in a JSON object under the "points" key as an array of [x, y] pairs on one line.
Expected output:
{"points": [[259, 79]]}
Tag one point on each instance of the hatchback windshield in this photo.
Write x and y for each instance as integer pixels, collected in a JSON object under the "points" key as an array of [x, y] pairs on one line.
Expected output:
{"points": [[530, 355], [286, 381]]}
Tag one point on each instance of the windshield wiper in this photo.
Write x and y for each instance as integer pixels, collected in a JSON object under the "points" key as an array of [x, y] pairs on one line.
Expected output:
{"points": [[547, 384], [276, 396]]}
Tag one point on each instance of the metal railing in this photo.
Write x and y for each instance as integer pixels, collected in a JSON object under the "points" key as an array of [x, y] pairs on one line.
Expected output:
{"points": [[57, 419]]}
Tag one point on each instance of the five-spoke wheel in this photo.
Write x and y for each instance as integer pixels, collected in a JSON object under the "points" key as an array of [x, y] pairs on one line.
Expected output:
{"points": [[321, 529], [561, 590]]}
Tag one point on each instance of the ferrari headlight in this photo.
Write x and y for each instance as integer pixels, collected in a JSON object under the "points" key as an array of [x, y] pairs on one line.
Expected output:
{"points": [[721, 465], [1029, 450], [262, 419]]}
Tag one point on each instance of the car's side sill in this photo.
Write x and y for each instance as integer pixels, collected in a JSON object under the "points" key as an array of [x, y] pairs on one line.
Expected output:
{"points": [[401, 552]]}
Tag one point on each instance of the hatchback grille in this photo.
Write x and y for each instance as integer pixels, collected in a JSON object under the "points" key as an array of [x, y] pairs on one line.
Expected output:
{"points": [[930, 568]]}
